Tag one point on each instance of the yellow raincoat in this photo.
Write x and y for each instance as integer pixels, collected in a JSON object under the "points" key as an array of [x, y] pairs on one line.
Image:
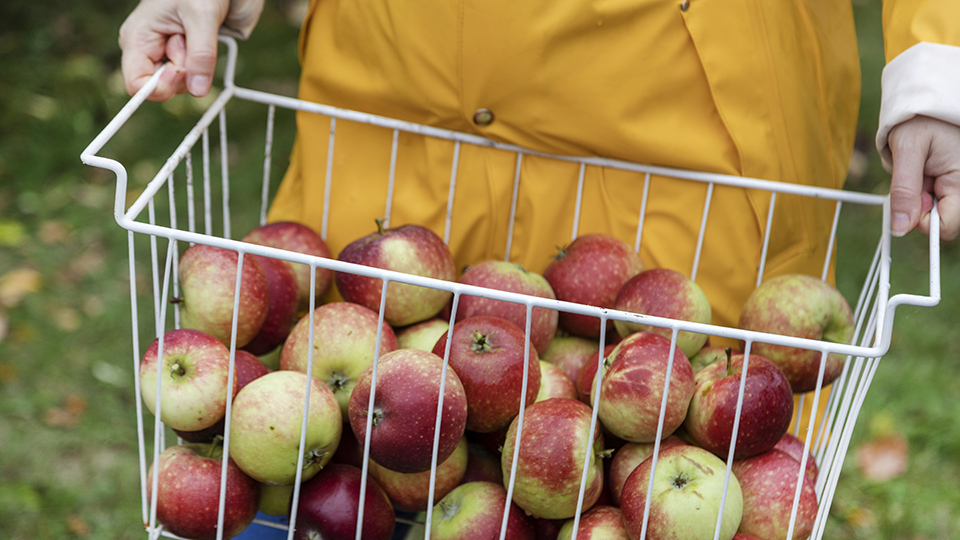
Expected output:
{"points": [[758, 88]]}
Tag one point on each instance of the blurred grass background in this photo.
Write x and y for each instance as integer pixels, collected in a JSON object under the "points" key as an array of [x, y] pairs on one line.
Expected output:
{"points": [[68, 445]]}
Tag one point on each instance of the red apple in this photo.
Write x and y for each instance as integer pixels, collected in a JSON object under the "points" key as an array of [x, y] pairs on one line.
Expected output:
{"points": [[805, 307], [298, 238], [488, 355], [410, 249], [769, 483], [344, 343], [569, 353], [554, 444], [266, 423], [423, 335], [511, 277], [632, 387], [547, 529], [411, 492], [588, 375], [482, 465], [686, 497], [329, 506], [628, 458], [662, 292], [208, 277], [281, 309], [188, 484], [598, 523], [246, 368], [590, 271], [193, 379], [405, 410], [765, 414], [793, 447], [475, 511]]}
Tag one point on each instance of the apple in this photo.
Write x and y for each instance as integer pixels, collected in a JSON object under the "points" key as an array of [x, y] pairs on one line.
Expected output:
{"points": [[411, 492], [193, 379], [598, 523], [510, 277], [299, 238], [208, 278], [686, 497], [246, 368], [628, 457], [547, 529], [405, 410], [344, 344], [275, 500], [554, 443], [475, 511], [188, 487], [482, 465], [411, 249], [587, 377], [793, 447], [423, 335], [488, 355], [710, 354], [569, 353], [800, 306], [631, 388], [764, 416], [281, 308], [769, 483], [329, 507], [663, 292], [554, 383], [591, 270], [266, 422]]}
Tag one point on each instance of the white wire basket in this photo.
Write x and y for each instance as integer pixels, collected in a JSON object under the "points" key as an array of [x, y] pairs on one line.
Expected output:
{"points": [[826, 440]]}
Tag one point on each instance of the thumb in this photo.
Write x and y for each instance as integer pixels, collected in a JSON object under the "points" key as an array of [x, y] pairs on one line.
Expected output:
{"points": [[909, 152], [201, 29]]}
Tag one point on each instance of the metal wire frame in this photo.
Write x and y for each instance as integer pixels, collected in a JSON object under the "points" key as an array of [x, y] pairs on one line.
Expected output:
{"points": [[828, 442]]}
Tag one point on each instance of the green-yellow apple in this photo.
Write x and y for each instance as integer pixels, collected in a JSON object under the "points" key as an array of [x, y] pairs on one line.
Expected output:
{"points": [[423, 335], [663, 292], [628, 457], [266, 425], [554, 444], [554, 383], [686, 498], [799, 306], [591, 270], [475, 510], [344, 343], [405, 410], [208, 278], [193, 379], [411, 249], [569, 353]]}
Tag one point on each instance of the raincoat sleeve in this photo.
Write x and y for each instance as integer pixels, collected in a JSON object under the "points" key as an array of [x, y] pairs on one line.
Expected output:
{"points": [[922, 75]]}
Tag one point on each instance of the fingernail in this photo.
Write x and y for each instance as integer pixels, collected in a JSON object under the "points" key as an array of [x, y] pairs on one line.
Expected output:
{"points": [[899, 223], [198, 85]]}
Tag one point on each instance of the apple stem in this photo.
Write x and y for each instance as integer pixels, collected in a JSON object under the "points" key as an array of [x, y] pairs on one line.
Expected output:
{"points": [[605, 454], [377, 416], [213, 445], [729, 352], [561, 253], [176, 300], [480, 343], [313, 457], [177, 370], [379, 225]]}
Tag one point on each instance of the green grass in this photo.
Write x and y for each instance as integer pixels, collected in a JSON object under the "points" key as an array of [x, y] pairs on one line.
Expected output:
{"points": [[68, 444]]}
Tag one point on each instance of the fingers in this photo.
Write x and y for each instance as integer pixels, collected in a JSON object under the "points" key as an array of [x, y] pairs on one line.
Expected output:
{"points": [[201, 45], [909, 150]]}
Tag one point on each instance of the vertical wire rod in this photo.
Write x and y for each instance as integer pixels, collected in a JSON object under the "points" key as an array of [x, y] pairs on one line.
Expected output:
{"points": [[225, 174], [327, 179], [513, 205], [267, 163], [448, 222], [392, 179], [702, 233]]}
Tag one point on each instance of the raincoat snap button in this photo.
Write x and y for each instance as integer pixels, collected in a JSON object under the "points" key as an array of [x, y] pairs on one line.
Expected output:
{"points": [[483, 117]]}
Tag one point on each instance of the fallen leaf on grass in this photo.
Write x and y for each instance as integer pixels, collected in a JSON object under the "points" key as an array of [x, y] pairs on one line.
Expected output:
{"points": [[53, 232], [7, 372], [69, 415], [883, 458], [66, 319], [860, 517], [17, 284], [78, 525]]}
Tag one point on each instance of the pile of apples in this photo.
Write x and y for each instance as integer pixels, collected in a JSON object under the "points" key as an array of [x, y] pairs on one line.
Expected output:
{"points": [[469, 407]]}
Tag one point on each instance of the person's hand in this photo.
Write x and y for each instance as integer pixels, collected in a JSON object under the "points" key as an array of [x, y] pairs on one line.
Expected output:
{"points": [[926, 164], [181, 31]]}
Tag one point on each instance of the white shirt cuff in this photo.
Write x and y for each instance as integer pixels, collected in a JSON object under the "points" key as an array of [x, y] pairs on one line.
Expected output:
{"points": [[922, 80]]}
